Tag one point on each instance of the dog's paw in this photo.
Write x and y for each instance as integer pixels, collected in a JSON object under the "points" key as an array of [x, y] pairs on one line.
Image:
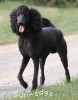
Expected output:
{"points": [[34, 88], [42, 80], [25, 85]]}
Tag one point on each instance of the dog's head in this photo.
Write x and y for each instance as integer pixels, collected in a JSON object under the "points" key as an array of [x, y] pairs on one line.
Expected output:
{"points": [[24, 19]]}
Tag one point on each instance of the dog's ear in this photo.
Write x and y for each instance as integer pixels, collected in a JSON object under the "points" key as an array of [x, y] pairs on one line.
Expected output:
{"points": [[13, 20], [35, 20]]}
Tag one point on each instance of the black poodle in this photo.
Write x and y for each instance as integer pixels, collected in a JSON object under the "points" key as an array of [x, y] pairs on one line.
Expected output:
{"points": [[46, 23], [36, 42]]}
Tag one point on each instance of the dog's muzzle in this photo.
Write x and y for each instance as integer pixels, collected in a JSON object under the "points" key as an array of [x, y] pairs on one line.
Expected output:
{"points": [[21, 23]]}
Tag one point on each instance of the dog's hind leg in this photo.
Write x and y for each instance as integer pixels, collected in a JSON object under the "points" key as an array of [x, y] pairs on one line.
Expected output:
{"points": [[35, 77], [42, 78], [65, 64], [23, 66], [62, 51]]}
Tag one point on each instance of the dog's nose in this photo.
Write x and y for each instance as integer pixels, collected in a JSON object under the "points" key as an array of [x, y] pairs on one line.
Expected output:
{"points": [[20, 23], [20, 20]]}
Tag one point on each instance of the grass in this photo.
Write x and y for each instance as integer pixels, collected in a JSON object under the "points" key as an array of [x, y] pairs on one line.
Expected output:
{"points": [[61, 91], [63, 18]]}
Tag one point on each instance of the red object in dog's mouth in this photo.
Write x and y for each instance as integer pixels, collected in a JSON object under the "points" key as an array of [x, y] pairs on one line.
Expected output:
{"points": [[21, 29]]}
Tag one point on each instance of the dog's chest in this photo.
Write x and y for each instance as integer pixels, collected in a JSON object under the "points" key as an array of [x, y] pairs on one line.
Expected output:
{"points": [[30, 47]]}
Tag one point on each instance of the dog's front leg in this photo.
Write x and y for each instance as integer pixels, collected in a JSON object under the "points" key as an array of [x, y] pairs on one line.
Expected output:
{"points": [[35, 76], [42, 78], [23, 66]]}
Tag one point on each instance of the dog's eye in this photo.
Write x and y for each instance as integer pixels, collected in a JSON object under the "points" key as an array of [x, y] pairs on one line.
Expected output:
{"points": [[25, 15], [17, 14]]}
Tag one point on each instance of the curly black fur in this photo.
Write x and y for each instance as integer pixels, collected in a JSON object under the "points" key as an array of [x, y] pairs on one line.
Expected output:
{"points": [[36, 42], [46, 23], [34, 25]]}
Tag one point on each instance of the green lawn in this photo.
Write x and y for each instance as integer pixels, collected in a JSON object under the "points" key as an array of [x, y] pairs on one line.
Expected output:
{"points": [[61, 91], [63, 18]]}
